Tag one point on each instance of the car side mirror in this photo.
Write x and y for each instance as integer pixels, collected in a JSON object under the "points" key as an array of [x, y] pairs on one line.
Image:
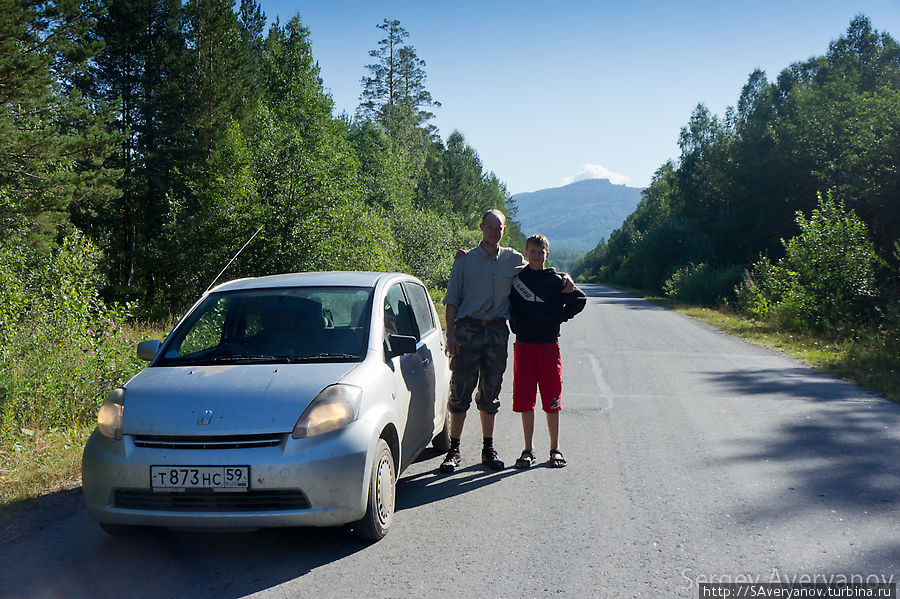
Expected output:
{"points": [[401, 344], [146, 350]]}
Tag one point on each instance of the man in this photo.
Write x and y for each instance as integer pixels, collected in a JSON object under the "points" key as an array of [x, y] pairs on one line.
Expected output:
{"points": [[477, 306]]}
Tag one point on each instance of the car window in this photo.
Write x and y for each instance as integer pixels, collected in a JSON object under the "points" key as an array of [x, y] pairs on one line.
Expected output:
{"points": [[280, 325], [398, 317], [421, 307], [207, 330]]}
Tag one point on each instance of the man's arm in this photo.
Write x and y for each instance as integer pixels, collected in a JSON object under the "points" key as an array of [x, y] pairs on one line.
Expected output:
{"points": [[450, 318]]}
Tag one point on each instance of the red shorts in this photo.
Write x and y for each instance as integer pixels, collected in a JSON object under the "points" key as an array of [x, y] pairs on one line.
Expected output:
{"points": [[536, 365]]}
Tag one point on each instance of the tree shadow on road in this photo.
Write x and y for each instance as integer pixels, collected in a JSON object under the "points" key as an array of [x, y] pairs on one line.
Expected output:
{"points": [[844, 457], [163, 563]]}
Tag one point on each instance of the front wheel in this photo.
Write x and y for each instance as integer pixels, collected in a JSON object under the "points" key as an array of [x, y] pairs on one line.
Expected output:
{"points": [[382, 483]]}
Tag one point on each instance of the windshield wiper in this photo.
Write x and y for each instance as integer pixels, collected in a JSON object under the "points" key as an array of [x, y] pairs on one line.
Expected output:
{"points": [[324, 357], [252, 358]]}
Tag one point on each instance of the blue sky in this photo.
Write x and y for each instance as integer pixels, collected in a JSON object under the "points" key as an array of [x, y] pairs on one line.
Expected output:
{"points": [[549, 92]]}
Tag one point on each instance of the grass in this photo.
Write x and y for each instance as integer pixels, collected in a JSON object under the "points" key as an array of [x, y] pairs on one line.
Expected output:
{"points": [[35, 461], [39, 462]]}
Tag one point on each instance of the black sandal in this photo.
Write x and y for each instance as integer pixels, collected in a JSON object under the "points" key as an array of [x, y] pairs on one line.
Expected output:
{"points": [[526, 459], [556, 459]]}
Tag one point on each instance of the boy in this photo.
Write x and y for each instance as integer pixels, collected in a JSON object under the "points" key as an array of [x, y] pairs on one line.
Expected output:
{"points": [[537, 308]]}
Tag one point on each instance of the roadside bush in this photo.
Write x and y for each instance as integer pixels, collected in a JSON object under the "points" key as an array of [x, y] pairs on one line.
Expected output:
{"points": [[61, 348], [704, 284], [826, 281]]}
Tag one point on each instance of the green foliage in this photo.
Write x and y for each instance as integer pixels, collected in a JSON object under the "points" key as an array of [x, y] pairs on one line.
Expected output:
{"points": [[828, 123], [703, 284], [427, 242], [61, 348], [52, 140], [826, 279]]}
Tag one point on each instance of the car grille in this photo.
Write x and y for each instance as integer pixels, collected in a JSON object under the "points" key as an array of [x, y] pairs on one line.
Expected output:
{"points": [[208, 501], [207, 442]]}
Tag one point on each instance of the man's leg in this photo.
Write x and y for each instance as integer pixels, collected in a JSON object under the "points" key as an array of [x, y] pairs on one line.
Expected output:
{"points": [[453, 458], [457, 421], [491, 367], [487, 424], [463, 380]]}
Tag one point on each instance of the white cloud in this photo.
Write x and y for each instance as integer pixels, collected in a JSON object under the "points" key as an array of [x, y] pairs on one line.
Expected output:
{"points": [[595, 171]]}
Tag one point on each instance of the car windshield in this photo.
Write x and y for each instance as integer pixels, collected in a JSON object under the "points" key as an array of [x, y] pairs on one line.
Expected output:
{"points": [[273, 326]]}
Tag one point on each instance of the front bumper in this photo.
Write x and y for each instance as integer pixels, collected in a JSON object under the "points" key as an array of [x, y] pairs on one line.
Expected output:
{"points": [[320, 481]]}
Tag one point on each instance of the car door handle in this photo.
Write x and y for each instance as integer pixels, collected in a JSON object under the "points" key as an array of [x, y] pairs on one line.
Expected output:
{"points": [[426, 362]]}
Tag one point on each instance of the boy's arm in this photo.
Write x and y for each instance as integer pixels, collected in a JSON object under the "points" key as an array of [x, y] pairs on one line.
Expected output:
{"points": [[573, 303]]}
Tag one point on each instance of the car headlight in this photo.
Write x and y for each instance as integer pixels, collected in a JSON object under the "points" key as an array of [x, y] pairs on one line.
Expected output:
{"points": [[333, 408], [109, 420]]}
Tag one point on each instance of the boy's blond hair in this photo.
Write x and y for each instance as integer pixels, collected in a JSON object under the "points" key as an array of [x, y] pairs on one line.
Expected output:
{"points": [[538, 239]]}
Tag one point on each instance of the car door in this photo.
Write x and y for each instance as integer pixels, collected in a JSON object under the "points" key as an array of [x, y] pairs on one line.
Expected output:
{"points": [[410, 376], [431, 348]]}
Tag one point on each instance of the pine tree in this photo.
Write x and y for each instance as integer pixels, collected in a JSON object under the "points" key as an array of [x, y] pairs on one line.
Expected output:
{"points": [[147, 69], [52, 139], [394, 93]]}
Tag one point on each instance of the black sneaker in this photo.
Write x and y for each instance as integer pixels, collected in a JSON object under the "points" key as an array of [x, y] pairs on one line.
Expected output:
{"points": [[450, 462], [490, 459]]}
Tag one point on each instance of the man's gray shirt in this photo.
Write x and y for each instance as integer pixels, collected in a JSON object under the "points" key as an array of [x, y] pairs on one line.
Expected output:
{"points": [[479, 283]]}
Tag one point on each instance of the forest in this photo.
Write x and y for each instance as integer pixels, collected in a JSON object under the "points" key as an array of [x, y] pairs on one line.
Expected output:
{"points": [[143, 143], [786, 208]]}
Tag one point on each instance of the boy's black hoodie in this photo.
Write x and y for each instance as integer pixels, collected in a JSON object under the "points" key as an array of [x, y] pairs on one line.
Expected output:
{"points": [[538, 307]]}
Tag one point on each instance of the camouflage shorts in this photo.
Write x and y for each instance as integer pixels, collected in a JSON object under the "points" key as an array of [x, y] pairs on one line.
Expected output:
{"points": [[480, 362]]}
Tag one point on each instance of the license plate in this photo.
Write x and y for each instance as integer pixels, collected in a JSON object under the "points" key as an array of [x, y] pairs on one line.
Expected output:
{"points": [[217, 478]]}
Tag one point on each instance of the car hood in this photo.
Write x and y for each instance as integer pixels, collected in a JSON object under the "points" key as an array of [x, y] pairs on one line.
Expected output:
{"points": [[235, 399]]}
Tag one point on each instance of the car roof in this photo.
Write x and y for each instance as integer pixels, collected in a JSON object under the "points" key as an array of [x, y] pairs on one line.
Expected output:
{"points": [[310, 279]]}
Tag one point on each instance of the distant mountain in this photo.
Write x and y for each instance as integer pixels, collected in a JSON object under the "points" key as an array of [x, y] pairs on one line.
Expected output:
{"points": [[576, 216]]}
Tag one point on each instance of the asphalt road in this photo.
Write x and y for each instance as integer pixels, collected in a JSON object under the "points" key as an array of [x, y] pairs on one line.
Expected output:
{"points": [[693, 457]]}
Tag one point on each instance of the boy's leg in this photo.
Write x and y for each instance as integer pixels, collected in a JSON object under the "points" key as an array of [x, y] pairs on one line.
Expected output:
{"points": [[550, 383], [525, 388], [553, 429], [528, 429]]}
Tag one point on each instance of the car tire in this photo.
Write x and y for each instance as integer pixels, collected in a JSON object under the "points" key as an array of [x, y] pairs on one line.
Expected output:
{"points": [[442, 441], [382, 494]]}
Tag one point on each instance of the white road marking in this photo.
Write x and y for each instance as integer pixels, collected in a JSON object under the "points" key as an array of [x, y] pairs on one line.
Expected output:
{"points": [[603, 387]]}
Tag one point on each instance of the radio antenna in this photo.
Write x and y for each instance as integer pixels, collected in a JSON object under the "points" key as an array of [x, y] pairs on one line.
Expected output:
{"points": [[235, 257]]}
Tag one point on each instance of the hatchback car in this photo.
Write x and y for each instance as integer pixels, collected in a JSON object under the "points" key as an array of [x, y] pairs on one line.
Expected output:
{"points": [[286, 400]]}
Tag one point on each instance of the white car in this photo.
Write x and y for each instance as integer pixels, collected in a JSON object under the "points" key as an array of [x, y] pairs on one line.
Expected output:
{"points": [[286, 400]]}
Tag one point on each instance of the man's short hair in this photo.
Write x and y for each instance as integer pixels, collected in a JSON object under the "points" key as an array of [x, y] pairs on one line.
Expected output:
{"points": [[496, 213], [538, 239]]}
